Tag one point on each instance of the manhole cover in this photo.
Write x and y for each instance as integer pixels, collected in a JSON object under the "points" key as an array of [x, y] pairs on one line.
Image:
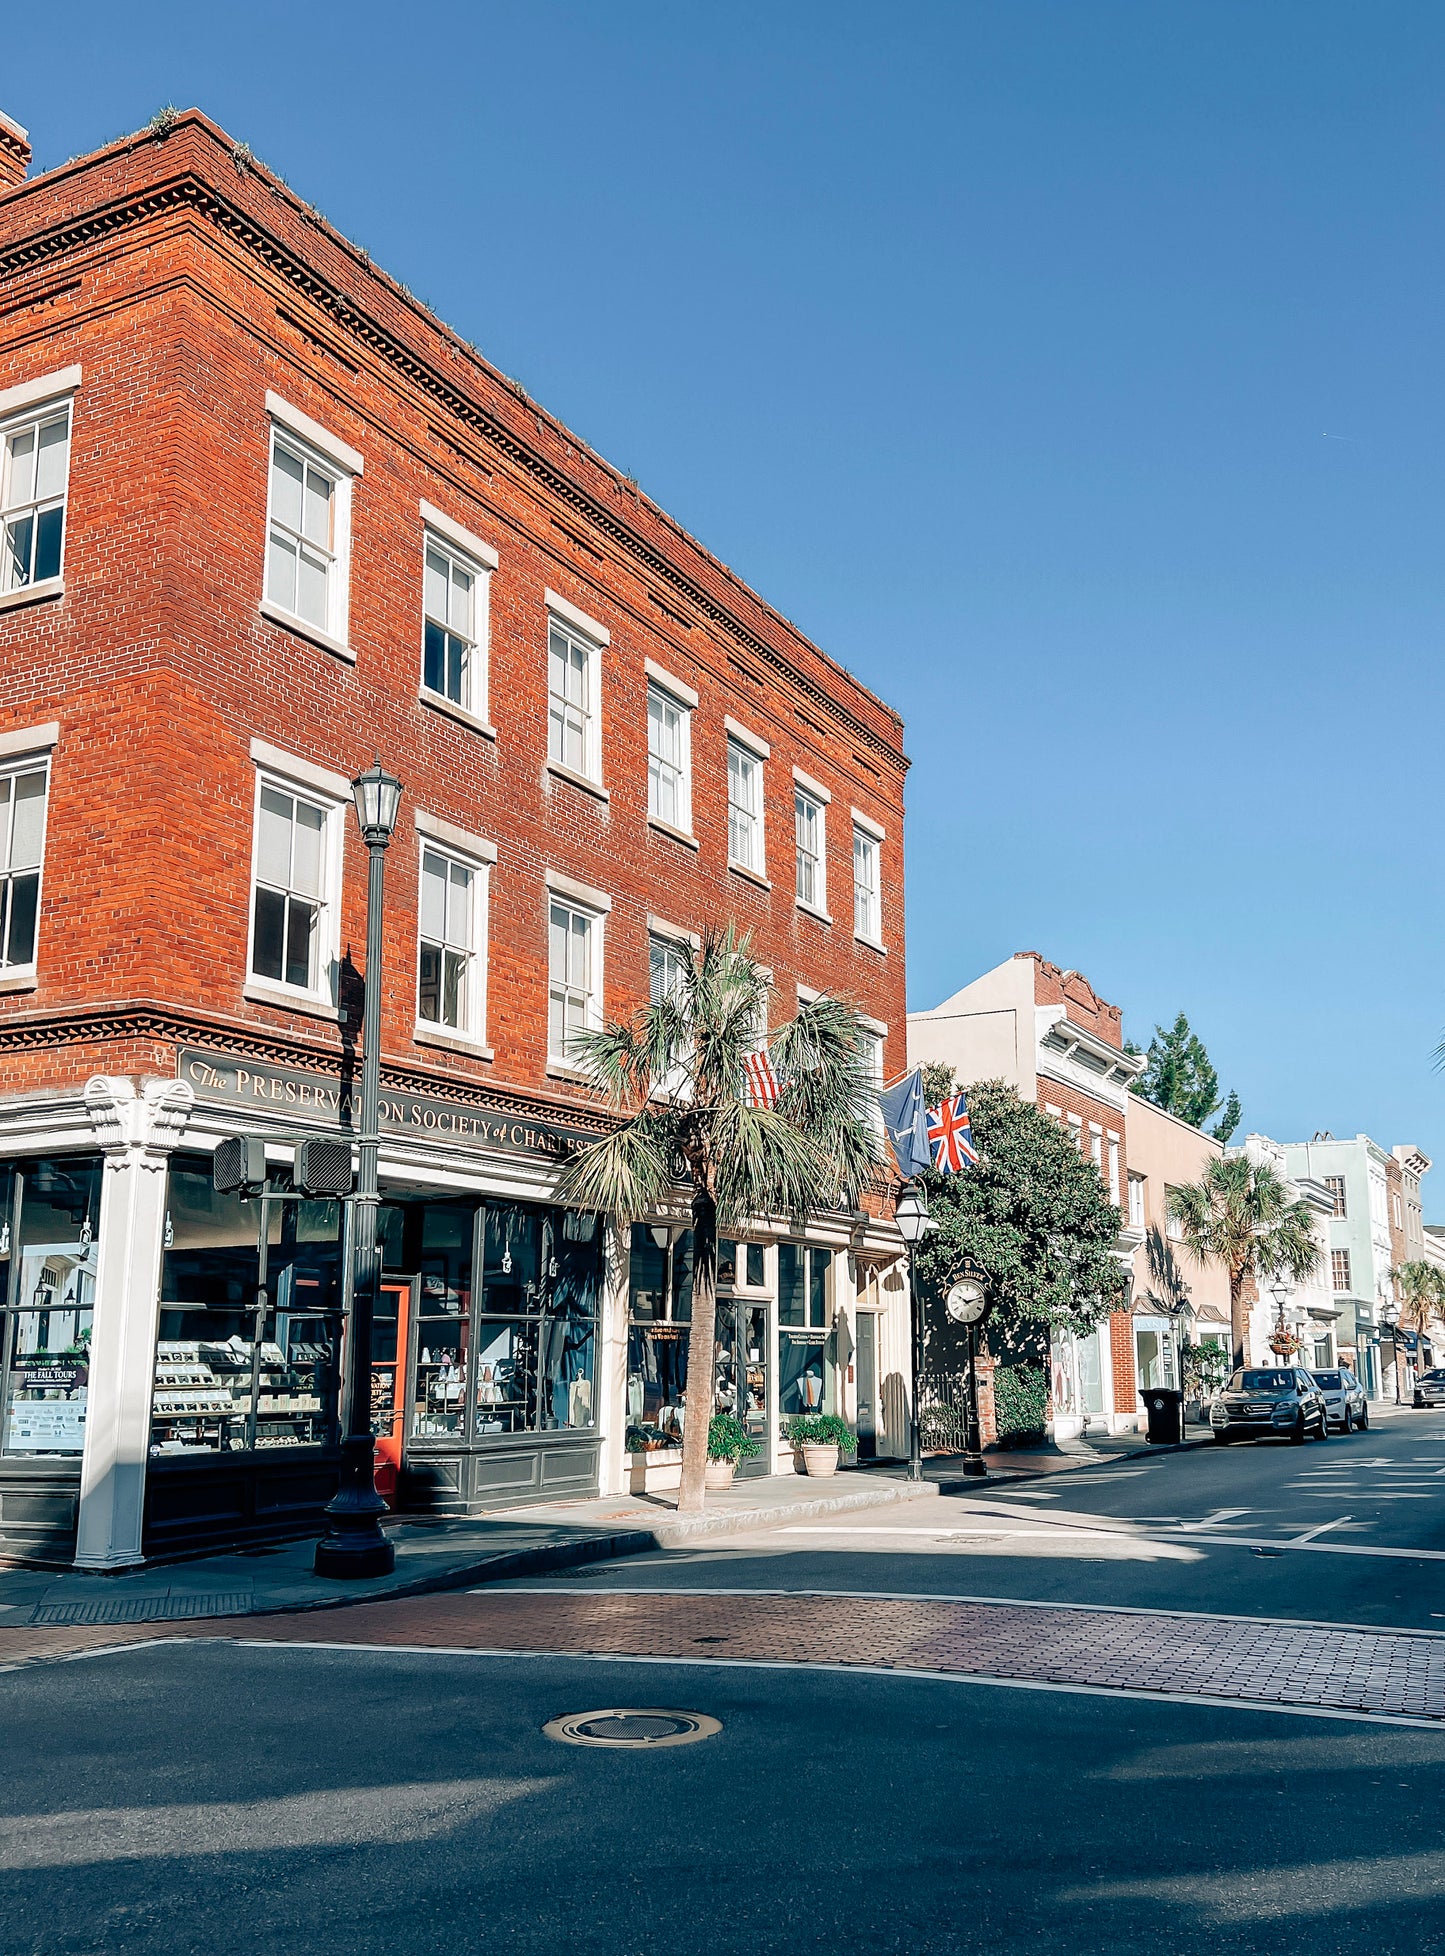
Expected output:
{"points": [[632, 1729]]}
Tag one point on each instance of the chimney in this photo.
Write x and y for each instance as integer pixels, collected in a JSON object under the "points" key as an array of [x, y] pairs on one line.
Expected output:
{"points": [[14, 153]]}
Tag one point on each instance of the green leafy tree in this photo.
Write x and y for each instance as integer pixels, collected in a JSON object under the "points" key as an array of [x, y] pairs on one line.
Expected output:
{"points": [[1239, 1214], [1180, 1078], [1421, 1290], [1034, 1215], [674, 1071]]}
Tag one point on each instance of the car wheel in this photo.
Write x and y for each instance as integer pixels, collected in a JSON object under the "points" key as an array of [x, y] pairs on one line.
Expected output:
{"points": [[1324, 1423], [1220, 1439], [1349, 1419], [1364, 1417], [1298, 1432]]}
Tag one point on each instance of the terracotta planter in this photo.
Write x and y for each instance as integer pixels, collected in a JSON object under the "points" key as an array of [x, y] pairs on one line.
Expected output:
{"points": [[718, 1474], [819, 1462]]}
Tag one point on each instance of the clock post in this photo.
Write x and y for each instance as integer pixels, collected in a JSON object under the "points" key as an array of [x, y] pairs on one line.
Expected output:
{"points": [[968, 1303]]}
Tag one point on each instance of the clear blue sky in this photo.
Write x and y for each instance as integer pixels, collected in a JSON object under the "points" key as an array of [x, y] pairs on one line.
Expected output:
{"points": [[1071, 369]]}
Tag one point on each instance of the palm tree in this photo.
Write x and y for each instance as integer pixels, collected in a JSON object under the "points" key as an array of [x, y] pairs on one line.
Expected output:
{"points": [[675, 1069], [1420, 1288], [1239, 1214]]}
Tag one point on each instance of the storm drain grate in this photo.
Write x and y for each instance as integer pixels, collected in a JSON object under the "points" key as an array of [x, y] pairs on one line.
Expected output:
{"points": [[144, 1609], [634, 1729]]}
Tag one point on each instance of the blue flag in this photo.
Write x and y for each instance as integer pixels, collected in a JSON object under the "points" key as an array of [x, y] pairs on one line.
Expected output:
{"points": [[906, 1119]]}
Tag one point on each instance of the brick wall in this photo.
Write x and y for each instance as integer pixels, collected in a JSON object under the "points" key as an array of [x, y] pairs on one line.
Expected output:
{"points": [[186, 284]]}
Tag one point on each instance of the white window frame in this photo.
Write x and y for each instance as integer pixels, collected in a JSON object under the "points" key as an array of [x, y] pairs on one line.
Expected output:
{"points": [[579, 901], [453, 845], [876, 1033], [680, 945], [805, 794], [658, 690], [870, 836], [1136, 1201], [590, 638], [331, 793], [27, 752], [479, 560], [320, 450], [30, 405], [747, 753]]}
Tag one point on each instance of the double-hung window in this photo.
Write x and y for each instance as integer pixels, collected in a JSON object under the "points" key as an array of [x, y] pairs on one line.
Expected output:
{"points": [[669, 960], [34, 470], [574, 686], [23, 795], [745, 808], [309, 523], [456, 579], [669, 757], [867, 908], [448, 961], [289, 930], [809, 819], [574, 970], [1340, 1270]]}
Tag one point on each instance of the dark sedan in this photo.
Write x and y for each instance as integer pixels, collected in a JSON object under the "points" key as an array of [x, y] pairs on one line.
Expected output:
{"points": [[1260, 1400], [1430, 1388]]}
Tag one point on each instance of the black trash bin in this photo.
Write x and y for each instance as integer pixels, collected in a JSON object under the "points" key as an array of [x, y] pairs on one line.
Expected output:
{"points": [[1165, 1407]]}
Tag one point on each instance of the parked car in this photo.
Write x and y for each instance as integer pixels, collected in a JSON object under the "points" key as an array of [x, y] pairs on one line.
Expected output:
{"points": [[1344, 1399], [1263, 1399], [1430, 1388]]}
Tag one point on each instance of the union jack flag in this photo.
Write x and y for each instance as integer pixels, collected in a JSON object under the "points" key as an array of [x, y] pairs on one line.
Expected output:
{"points": [[951, 1137], [760, 1079]]}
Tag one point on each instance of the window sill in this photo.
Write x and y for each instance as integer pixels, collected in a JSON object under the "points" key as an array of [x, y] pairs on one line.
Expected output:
{"points": [[578, 780], [871, 944], [439, 703], [678, 835], [559, 1070], [260, 993], [741, 869], [451, 1042], [48, 587], [291, 623], [18, 981], [808, 910]]}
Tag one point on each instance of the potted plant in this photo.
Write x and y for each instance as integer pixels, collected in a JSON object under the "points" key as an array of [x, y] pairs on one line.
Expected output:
{"points": [[817, 1439], [728, 1442]]}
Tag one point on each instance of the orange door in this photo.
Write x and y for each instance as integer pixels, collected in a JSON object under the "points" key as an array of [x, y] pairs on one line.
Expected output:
{"points": [[388, 1384]]}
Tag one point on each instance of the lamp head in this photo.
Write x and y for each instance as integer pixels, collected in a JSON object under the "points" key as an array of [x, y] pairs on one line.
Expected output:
{"points": [[910, 1212], [377, 796]]}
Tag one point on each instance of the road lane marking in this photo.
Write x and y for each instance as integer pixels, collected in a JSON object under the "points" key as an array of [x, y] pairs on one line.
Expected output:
{"points": [[1323, 1528], [1130, 1533], [1220, 1515]]}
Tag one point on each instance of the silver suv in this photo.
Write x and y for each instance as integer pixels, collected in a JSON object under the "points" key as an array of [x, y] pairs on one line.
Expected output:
{"points": [[1262, 1399]]}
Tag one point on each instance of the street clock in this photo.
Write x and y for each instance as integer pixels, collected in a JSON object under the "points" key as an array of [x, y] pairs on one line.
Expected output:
{"points": [[968, 1300]]}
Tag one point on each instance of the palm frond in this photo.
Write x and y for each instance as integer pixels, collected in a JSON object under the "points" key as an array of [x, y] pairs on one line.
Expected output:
{"points": [[766, 1165], [625, 1174]]}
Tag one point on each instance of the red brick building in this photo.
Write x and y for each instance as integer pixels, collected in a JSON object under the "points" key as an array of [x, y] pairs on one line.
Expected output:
{"points": [[264, 519]]}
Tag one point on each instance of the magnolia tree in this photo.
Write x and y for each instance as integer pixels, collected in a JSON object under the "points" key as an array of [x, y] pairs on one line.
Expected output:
{"points": [[675, 1072]]}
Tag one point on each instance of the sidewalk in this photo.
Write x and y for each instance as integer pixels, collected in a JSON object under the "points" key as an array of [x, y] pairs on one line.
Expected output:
{"points": [[434, 1555]]}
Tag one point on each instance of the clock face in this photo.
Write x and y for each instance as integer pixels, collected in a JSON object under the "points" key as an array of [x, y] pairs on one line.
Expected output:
{"points": [[967, 1301]]}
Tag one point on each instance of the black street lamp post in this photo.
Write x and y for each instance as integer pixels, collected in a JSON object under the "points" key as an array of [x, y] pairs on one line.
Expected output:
{"points": [[354, 1544], [910, 1212]]}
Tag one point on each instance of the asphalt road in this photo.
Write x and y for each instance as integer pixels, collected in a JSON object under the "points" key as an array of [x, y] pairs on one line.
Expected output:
{"points": [[1351, 1530], [189, 1797], [203, 1799]]}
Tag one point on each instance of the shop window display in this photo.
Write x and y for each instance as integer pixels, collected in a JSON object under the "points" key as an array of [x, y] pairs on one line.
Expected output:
{"points": [[444, 1304], [536, 1332], [49, 1222], [239, 1369], [804, 1373], [659, 1315]]}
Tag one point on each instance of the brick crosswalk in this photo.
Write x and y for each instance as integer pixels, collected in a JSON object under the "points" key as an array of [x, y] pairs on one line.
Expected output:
{"points": [[1213, 1658]]}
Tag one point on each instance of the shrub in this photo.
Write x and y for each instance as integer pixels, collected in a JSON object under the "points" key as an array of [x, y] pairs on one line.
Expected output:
{"points": [[820, 1430], [1020, 1401], [729, 1439]]}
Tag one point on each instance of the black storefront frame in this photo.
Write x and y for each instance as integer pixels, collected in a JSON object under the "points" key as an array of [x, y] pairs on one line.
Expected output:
{"points": [[468, 1473]]}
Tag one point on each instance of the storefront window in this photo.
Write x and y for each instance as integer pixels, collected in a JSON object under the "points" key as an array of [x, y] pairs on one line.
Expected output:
{"points": [[659, 1314], [803, 1321], [536, 1335], [740, 1264], [50, 1209], [444, 1304], [236, 1370]]}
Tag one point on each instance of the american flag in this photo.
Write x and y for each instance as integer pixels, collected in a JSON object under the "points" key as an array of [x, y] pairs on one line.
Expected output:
{"points": [[951, 1137], [760, 1079]]}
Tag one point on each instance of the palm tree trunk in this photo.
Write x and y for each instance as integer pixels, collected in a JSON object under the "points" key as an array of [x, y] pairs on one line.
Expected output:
{"points": [[1238, 1317], [701, 1350]]}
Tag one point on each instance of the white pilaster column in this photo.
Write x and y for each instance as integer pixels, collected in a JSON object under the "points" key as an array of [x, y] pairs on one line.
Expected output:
{"points": [[611, 1386], [137, 1125]]}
